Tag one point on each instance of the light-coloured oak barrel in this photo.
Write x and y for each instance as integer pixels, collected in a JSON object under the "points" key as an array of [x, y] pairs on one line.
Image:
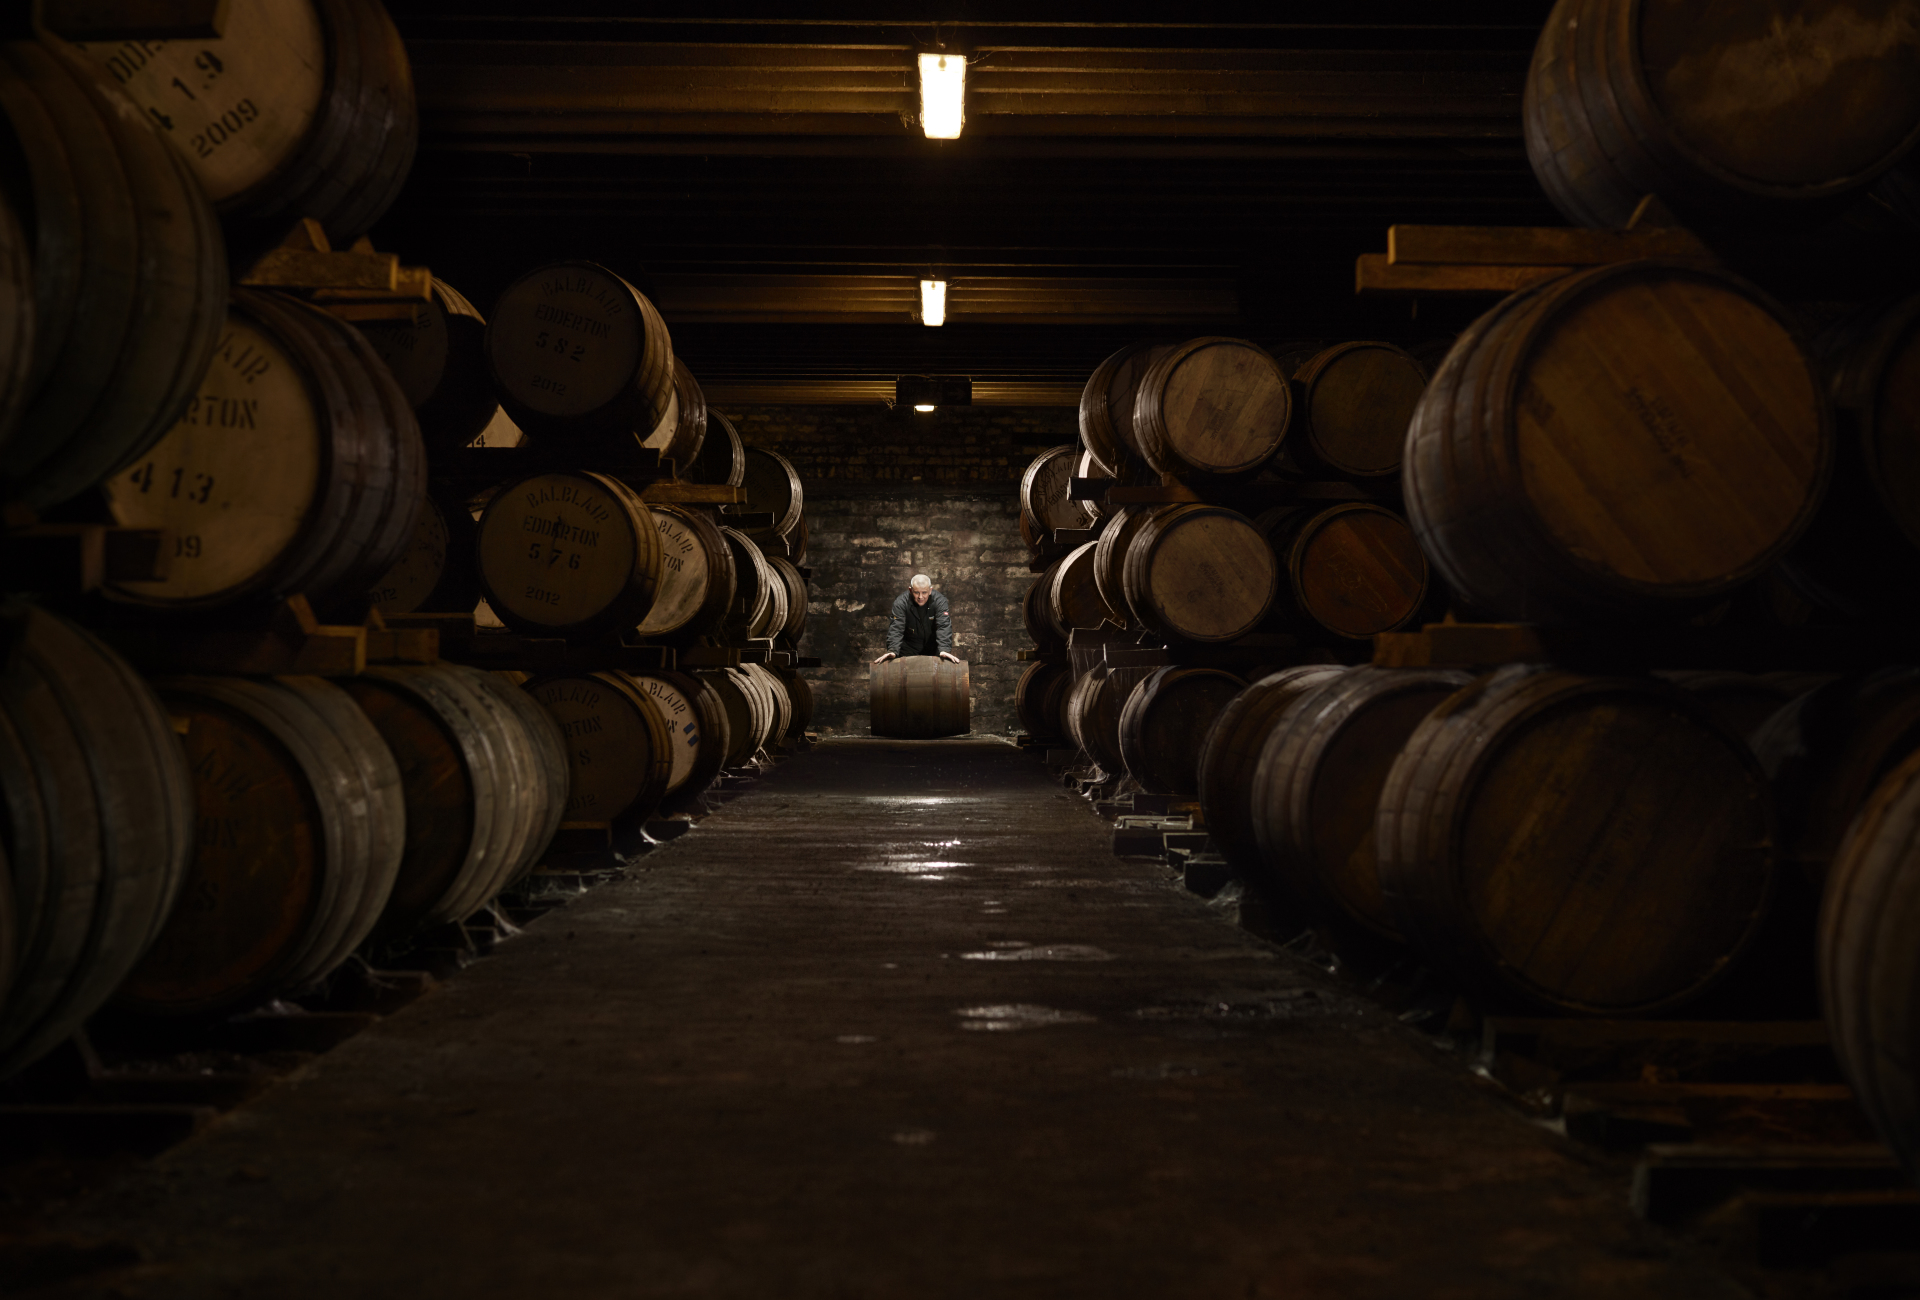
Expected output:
{"points": [[1316, 790], [796, 589], [919, 697], [577, 353], [1231, 755], [297, 468], [1040, 699], [1043, 491], [1199, 573], [436, 573], [129, 275], [1632, 441], [547, 784], [1212, 405], [1354, 569], [696, 577], [1580, 844], [1164, 726], [754, 597], [300, 108], [1738, 117], [301, 831], [773, 487], [776, 693], [1862, 552], [98, 809], [748, 712], [722, 457], [696, 725], [620, 745], [1072, 597], [577, 551], [1356, 400], [439, 359], [1824, 753], [682, 432], [1869, 964]]}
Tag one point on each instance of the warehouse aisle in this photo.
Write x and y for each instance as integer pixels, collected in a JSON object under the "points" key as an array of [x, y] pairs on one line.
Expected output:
{"points": [[893, 1024]]}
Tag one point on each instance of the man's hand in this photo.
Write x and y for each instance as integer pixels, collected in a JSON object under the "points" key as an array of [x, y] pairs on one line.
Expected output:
{"points": [[883, 658], [952, 659]]}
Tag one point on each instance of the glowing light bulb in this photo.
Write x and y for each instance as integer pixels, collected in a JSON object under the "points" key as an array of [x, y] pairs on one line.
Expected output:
{"points": [[943, 95], [933, 302], [924, 408]]}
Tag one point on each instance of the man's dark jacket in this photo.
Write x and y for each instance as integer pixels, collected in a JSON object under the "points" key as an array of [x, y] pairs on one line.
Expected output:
{"points": [[920, 629]]}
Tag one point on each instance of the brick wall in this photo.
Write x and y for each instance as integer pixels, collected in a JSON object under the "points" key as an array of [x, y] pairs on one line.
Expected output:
{"points": [[891, 494]]}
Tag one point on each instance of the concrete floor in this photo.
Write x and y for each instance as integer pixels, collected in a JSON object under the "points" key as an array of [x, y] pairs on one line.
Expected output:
{"points": [[893, 1024]]}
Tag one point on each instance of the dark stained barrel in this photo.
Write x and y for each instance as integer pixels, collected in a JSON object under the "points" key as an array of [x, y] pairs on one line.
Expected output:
{"points": [[1316, 789], [301, 108], [748, 711], [1040, 699], [1212, 406], [1231, 755], [297, 468], [1745, 117], [1044, 503], [1827, 750], [919, 697], [1094, 706], [696, 587], [439, 359], [1073, 597], [773, 487], [800, 691], [574, 551], [1199, 573], [722, 457], [98, 812], [1870, 965], [619, 745], [578, 354], [1740, 702], [16, 318], [129, 275], [1356, 400], [1110, 560], [436, 573], [1106, 410], [1632, 441], [1581, 844], [300, 835], [1036, 612], [1164, 726], [1354, 569], [753, 586]]}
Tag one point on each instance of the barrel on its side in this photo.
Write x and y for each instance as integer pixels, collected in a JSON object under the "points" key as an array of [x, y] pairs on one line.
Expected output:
{"points": [[1040, 699], [439, 359], [1200, 573], [1073, 597], [1106, 410], [682, 432], [575, 551], [1583, 844], [920, 697], [697, 582], [1164, 726], [436, 574], [1230, 757], [697, 727], [722, 457], [1044, 503], [1212, 406], [1094, 706], [773, 487], [619, 745], [1356, 401], [1353, 570]]}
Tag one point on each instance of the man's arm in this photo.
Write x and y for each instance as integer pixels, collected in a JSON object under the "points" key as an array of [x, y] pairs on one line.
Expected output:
{"points": [[942, 625], [897, 629]]}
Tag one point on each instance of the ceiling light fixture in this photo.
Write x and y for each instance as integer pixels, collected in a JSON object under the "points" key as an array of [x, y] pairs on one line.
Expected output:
{"points": [[933, 302], [943, 95], [929, 392]]}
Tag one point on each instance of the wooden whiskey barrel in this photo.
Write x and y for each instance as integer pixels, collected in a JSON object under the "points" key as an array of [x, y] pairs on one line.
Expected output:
{"points": [[129, 276], [551, 772], [696, 577], [577, 551], [801, 693], [1740, 702], [777, 607], [681, 433], [296, 469], [697, 727], [1110, 559], [1040, 699], [300, 822], [1769, 112], [1106, 409], [748, 711], [1094, 706], [796, 589], [1036, 611], [753, 605], [577, 353], [1827, 750], [1043, 492], [301, 108], [99, 819], [1316, 789], [781, 705], [1164, 726], [1199, 573], [920, 697], [1212, 405], [722, 457], [1072, 597], [1352, 569], [436, 573], [16, 321], [1230, 757], [773, 487], [1356, 400], [1869, 965], [1629, 441], [439, 359], [1088, 467], [1863, 548], [1582, 844], [619, 745]]}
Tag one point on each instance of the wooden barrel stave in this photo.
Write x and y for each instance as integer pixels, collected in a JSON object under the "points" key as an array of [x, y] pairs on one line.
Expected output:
{"points": [[1164, 726], [1036, 612], [1589, 845], [1231, 756], [781, 703], [920, 697], [753, 585], [534, 754]]}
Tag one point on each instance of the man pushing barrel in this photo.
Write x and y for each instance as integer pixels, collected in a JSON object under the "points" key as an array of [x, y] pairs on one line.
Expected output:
{"points": [[921, 624]]}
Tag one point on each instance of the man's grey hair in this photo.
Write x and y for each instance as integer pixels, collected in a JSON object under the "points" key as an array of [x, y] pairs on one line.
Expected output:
{"points": [[920, 580]]}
